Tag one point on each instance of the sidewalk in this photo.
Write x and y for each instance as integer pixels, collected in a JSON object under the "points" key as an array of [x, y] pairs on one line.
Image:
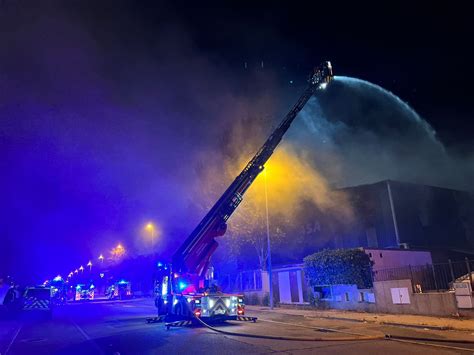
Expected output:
{"points": [[440, 323]]}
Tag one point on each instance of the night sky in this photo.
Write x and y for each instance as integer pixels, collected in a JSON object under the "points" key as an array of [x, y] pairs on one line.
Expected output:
{"points": [[108, 112]]}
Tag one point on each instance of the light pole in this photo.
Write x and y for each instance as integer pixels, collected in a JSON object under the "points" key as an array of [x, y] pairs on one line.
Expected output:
{"points": [[81, 268], [269, 251], [90, 265], [151, 228], [101, 258]]}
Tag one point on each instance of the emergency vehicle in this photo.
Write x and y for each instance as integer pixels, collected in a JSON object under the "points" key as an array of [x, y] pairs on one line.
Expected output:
{"points": [[84, 292], [120, 290], [38, 299], [184, 288]]}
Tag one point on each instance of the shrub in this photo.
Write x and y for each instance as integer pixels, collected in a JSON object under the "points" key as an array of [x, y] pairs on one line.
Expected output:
{"points": [[339, 267]]}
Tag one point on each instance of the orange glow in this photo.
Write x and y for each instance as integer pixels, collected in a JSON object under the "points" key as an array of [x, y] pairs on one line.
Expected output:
{"points": [[290, 180], [118, 251]]}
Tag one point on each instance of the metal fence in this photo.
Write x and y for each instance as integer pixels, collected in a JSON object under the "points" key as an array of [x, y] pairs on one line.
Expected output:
{"points": [[430, 277], [242, 281]]}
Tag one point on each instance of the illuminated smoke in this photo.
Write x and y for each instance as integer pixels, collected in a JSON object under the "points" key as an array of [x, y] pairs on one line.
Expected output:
{"points": [[357, 132]]}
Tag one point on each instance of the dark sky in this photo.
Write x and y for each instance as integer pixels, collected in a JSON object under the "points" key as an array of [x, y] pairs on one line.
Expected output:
{"points": [[105, 107], [420, 51]]}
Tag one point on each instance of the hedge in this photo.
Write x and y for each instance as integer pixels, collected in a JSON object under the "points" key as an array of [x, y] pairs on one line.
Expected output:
{"points": [[339, 267]]}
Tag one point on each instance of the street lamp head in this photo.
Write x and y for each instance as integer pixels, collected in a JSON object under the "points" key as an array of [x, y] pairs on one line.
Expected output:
{"points": [[101, 257], [81, 268], [89, 263], [150, 226]]}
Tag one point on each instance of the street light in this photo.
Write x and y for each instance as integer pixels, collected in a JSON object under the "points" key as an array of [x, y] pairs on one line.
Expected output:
{"points": [[150, 227], [118, 251], [90, 265], [81, 268], [76, 271], [269, 251], [101, 258]]}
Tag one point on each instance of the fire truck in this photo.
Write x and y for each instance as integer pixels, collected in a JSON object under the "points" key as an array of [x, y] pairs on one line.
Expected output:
{"points": [[84, 292], [119, 290], [184, 288]]}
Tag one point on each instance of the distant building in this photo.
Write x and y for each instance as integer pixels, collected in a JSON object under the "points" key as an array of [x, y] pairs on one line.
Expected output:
{"points": [[389, 215], [392, 214]]}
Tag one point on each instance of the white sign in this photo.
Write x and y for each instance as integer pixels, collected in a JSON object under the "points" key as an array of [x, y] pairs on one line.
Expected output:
{"points": [[464, 301], [400, 295], [462, 289]]}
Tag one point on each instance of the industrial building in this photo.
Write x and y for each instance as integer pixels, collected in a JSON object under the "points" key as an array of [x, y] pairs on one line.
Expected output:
{"points": [[388, 215], [392, 214]]}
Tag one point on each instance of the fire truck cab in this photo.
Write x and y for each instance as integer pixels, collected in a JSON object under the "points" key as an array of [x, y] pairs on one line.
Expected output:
{"points": [[186, 295]]}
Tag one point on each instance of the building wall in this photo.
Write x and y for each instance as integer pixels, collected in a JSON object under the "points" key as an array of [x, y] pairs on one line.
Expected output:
{"points": [[394, 297], [388, 259], [349, 297], [426, 217], [441, 304], [289, 285]]}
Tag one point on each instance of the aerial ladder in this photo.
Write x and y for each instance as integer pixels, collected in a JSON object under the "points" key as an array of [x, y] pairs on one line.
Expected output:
{"points": [[182, 287]]}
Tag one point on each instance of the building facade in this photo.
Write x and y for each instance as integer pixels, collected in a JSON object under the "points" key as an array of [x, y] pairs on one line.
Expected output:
{"points": [[391, 214]]}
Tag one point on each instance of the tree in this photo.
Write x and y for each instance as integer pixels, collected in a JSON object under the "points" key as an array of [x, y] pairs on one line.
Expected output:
{"points": [[292, 182], [339, 266]]}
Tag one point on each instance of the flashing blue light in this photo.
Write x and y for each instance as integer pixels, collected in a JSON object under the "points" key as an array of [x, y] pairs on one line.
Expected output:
{"points": [[122, 282], [160, 264], [182, 285]]}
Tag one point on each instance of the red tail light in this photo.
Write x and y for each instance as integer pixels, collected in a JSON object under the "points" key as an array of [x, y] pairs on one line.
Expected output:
{"points": [[197, 312], [240, 310]]}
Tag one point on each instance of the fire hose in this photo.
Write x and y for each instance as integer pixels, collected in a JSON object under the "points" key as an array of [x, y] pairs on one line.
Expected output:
{"points": [[274, 337], [402, 339]]}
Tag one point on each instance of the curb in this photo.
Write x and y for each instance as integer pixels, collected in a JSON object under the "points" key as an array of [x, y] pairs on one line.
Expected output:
{"points": [[420, 326], [417, 326]]}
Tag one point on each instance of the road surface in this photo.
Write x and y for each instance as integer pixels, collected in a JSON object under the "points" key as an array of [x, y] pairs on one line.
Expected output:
{"points": [[120, 328]]}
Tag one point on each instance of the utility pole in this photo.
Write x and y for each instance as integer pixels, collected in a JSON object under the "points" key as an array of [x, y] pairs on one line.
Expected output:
{"points": [[394, 215], [269, 251]]}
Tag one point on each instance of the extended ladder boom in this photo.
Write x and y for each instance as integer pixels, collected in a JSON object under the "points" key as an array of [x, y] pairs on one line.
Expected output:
{"points": [[194, 254]]}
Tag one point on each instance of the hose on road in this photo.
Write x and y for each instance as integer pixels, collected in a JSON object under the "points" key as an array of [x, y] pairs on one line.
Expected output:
{"points": [[274, 337], [402, 339]]}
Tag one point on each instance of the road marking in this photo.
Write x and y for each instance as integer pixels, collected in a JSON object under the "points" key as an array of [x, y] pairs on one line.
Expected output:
{"points": [[13, 340], [87, 337]]}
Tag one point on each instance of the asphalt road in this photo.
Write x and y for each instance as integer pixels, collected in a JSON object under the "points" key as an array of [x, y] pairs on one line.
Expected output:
{"points": [[120, 328]]}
